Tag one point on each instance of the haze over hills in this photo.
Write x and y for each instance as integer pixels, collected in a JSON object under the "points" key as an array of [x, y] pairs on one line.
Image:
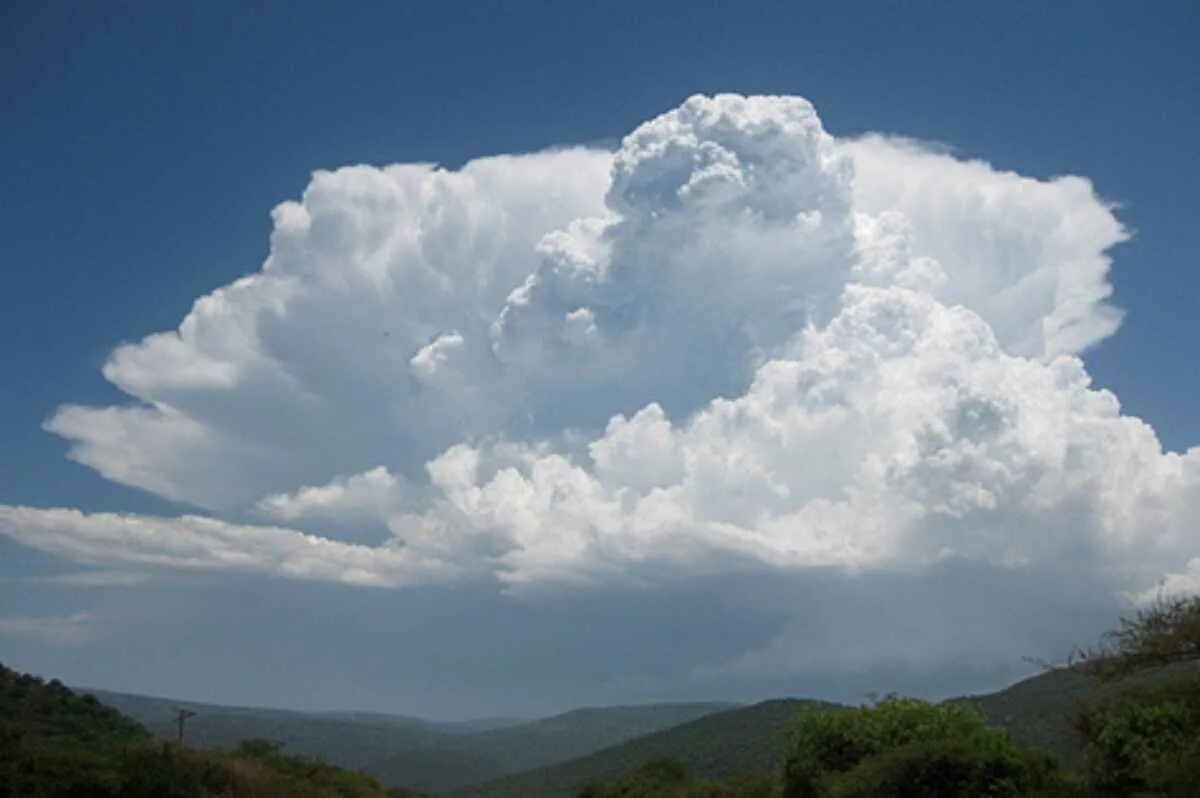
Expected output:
{"points": [[338, 738], [412, 752], [753, 740], [734, 742], [549, 757], [541, 742], [555, 756]]}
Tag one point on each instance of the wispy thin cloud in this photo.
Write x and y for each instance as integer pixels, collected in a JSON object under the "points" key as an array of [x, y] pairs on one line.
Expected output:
{"points": [[58, 629]]}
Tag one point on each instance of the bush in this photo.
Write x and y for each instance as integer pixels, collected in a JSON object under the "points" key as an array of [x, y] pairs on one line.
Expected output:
{"points": [[1143, 738], [167, 771], [1167, 633], [908, 748], [1145, 741]]}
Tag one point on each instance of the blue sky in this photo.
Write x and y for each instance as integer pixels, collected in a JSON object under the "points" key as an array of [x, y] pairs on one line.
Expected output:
{"points": [[144, 145]]}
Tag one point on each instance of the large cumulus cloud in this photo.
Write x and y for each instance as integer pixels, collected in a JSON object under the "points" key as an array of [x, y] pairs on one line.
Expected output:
{"points": [[736, 342]]}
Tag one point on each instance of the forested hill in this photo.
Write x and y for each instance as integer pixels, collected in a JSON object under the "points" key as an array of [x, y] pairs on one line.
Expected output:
{"points": [[1042, 710], [52, 711], [737, 741], [557, 754], [416, 753], [344, 740], [55, 743]]}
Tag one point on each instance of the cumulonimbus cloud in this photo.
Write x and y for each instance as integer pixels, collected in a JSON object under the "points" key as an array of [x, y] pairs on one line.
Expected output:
{"points": [[735, 339]]}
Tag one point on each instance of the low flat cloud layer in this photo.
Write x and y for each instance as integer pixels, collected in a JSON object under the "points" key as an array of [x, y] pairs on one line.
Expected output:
{"points": [[735, 345]]}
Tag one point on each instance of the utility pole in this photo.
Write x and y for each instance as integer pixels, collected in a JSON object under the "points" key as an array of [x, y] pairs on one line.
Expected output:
{"points": [[182, 715]]}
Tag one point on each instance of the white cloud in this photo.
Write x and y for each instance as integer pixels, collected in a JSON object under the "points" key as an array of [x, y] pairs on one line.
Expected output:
{"points": [[433, 360], [92, 578], [304, 370], [898, 435], [1029, 256], [1177, 583], [735, 340], [197, 543], [370, 497]]}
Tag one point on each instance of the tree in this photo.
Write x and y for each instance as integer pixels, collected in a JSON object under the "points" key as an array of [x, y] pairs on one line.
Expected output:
{"points": [[1144, 738], [1164, 634], [904, 747]]}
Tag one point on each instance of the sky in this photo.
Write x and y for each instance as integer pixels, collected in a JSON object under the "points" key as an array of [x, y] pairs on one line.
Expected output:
{"points": [[464, 359]]}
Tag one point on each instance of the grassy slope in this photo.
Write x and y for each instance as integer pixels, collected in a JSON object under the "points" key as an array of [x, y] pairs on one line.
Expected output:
{"points": [[745, 740]]}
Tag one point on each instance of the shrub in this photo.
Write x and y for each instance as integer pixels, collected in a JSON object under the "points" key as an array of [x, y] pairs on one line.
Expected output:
{"points": [[1145, 740], [908, 748]]}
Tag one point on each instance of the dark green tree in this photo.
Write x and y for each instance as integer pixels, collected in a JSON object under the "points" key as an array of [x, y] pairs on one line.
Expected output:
{"points": [[1143, 738], [907, 748]]}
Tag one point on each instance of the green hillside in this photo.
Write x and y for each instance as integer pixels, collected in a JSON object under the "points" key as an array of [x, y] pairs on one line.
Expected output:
{"points": [[1038, 711], [344, 740], [1122, 721], [53, 712], [738, 741], [471, 759], [1041, 710], [55, 743], [406, 751]]}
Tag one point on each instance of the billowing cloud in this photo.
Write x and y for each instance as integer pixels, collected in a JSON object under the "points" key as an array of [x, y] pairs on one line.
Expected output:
{"points": [[360, 502], [735, 342], [1177, 583]]}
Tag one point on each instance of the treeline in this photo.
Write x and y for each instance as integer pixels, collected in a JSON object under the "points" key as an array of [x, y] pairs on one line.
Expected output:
{"points": [[1141, 740]]}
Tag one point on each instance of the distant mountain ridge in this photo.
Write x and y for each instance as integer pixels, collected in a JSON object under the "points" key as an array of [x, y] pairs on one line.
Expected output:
{"points": [[57, 743], [433, 756], [754, 739], [733, 742], [558, 755]]}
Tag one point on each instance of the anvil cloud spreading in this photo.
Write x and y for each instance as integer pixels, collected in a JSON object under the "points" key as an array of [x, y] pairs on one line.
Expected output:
{"points": [[737, 343]]}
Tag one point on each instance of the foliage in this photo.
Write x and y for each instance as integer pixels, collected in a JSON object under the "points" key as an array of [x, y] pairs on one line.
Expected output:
{"points": [[907, 747], [56, 744], [1164, 634], [669, 779], [1144, 738], [51, 710], [41, 769], [1145, 743]]}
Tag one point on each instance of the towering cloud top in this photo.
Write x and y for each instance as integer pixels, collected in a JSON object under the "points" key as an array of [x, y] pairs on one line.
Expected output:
{"points": [[735, 341]]}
